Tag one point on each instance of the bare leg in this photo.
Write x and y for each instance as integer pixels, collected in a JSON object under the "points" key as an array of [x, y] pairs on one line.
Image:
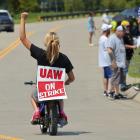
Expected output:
{"points": [[36, 114], [62, 113], [34, 104], [105, 82], [90, 37], [61, 103], [117, 89], [110, 87]]}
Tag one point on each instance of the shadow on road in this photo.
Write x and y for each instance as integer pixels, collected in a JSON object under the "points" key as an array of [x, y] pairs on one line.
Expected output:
{"points": [[72, 133], [69, 133]]}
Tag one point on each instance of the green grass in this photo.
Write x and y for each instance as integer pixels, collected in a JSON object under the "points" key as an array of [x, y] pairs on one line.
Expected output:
{"points": [[134, 69], [33, 17]]}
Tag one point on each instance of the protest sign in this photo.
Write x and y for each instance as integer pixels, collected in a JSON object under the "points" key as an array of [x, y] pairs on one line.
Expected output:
{"points": [[51, 83]]}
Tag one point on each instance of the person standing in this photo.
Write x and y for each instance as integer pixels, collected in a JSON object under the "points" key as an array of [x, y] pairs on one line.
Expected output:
{"points": [[129, 46], [116, 50], [91, 27], [106, 18], [104, 60]]}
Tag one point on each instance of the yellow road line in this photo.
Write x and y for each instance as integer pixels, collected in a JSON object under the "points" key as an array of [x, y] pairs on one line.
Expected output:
{"points": [[8, 49], [5, 137], [12, 46], [4, 50], [17, 42]]}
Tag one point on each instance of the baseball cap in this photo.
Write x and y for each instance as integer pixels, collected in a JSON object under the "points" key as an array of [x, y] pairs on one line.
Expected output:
{"points": [[120, 28], [114, 25], [125, 23], [106, 27]]}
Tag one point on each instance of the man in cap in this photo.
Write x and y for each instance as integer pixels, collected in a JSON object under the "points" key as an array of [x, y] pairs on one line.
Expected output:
{"points": [[129, 46], [116, 50], [104, 59]]}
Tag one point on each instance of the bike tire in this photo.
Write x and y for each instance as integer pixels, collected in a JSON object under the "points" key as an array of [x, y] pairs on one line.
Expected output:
{"points": [[53, 127]]}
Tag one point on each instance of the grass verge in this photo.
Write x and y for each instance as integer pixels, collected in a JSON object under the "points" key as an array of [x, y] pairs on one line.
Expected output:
{"points": [[134, 69], [35, 17]]}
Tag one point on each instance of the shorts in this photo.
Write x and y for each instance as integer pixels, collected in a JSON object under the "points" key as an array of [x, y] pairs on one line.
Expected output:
{"points": [[117, 76], [107, 72], [90, 30]]}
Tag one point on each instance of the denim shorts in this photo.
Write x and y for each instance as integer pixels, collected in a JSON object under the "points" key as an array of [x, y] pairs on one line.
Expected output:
{"points": [[107, 72]]}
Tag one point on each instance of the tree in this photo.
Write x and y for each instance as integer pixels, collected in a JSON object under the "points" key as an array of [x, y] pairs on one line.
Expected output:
{"points": [[73, 5], [55, 5], [120, 4], [78, 5], [68, 5], [88, 4], [2, 4], [135, 3], [28, 5], [13, 5], [97, 4], [109, 4]]}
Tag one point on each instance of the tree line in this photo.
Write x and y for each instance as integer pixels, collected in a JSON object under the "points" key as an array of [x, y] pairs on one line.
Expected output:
{"points": [[15, 6]]}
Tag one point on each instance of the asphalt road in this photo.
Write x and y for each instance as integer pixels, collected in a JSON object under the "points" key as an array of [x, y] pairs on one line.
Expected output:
{"points": [[91, 115]]}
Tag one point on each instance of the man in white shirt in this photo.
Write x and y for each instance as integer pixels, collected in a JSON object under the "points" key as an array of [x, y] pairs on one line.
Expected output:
{"points": [[104, 59]]}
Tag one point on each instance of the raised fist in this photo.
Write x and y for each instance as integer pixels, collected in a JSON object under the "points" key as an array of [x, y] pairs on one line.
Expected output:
{"points": [[24, 15]]}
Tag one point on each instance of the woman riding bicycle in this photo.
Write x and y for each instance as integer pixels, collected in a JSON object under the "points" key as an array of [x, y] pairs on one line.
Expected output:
{"points": [[51, 56]]}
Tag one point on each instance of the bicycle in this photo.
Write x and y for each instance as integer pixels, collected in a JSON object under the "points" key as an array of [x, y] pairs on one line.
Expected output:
{"points": [[50, 118]]}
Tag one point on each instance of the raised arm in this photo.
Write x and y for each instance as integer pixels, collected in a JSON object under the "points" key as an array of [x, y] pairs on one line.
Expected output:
{"points": [[26, 42]]}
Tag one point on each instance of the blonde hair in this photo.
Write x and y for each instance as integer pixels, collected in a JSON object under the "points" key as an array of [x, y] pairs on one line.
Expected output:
{"points": [[52, 45]]}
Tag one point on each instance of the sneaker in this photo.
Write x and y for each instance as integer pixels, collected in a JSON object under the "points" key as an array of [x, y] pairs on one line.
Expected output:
{"points": [[116, 96], [63, 119], [105, 94], [126, 87], [121, 96], [111, 94], [35, 117], [62, 122], [137, 88], [91, 45]]}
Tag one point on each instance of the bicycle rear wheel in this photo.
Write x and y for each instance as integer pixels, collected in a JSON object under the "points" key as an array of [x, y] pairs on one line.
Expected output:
{"points": [[53, 127]]}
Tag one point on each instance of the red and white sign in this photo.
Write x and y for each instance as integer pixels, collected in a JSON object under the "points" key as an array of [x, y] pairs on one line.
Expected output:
{"points": [[51, 83]]}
